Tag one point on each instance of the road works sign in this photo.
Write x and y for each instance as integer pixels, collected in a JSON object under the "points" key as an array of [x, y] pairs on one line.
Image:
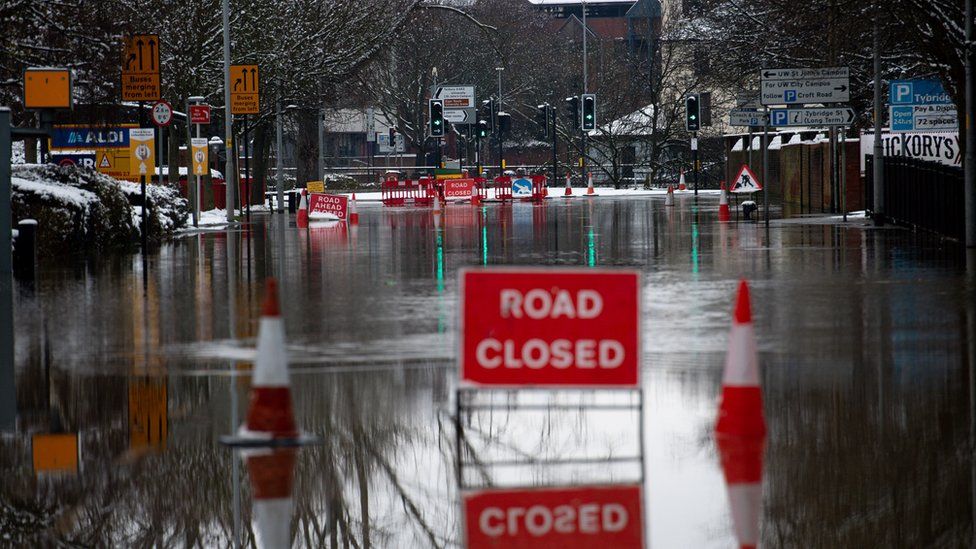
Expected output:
{"points": [[550, 328], [787, 86], [140, 68], [555, 518], [458, 188], [745, 182], [47, 88], [200, 155], [245, 90], [921, 105], [839, 116], [328, 204]]}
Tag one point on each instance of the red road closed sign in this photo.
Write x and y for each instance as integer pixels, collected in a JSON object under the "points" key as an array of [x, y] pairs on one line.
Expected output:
{"points": [[557, 518], [550, 328], [327, 205], [199, 114], [458, 188]]}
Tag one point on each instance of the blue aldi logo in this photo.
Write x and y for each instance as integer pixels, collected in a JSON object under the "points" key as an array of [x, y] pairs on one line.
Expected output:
{"points": [[78, 137]]}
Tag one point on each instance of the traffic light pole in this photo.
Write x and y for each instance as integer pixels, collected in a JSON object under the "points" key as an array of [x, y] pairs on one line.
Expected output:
{"points": [[694, 158], [555, 139]]}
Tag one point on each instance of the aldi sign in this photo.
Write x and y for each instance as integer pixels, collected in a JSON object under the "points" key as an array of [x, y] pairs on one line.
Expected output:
{"points": [[555, 518], [539, 327], [83, 137]]}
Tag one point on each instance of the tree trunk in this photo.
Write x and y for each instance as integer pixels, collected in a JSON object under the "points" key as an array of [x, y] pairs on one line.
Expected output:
{"points": [[259, 161]]}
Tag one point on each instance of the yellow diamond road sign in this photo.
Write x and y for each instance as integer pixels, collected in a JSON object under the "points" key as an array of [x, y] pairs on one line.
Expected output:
{"points": [[245, 89]]}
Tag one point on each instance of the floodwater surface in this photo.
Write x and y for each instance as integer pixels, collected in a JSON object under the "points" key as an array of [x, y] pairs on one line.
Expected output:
{"points": [[129, 368]]}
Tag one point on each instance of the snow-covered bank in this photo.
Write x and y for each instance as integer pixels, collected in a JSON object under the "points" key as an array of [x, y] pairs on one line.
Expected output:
{"points": [[79, 208]]}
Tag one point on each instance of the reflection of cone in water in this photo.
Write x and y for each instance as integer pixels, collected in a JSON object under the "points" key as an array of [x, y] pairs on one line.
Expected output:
{"points": [[669, 198], [270, 413], [723, 204], [681, 182], [353, 210], [589, 184], [741, 410], [272, 475], [742, 463], [569, 187], [302, 219]]}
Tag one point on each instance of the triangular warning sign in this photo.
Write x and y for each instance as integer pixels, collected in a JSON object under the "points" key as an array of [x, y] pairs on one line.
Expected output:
{"points": [[104, 163], [745, 182]]}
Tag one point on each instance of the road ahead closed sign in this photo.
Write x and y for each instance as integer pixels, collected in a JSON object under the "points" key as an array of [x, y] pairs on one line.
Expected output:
{"points": [[550, 328]]}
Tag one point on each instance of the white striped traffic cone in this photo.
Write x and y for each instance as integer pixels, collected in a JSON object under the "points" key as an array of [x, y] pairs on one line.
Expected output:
{"points": [[475, 196], [302, 219], [669, 198], [589, 184], [740, 412], [353, 211], [270, 414], [723, 205], [681, 182], [272, 476], [569, 187], [742, 464]]}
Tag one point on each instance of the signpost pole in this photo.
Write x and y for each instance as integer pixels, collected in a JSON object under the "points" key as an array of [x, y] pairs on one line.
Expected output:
{"points": [[191, 190], [145, 208], [694, 159], [843, 171], [8, 393], [196, 190], [247, 173], [969, 166], [159, 157], [229, 176], [765, 161], [279, 163], [878, 213], [555, 152]]}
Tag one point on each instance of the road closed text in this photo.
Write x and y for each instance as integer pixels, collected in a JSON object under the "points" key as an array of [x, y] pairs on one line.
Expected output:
{"points": [[558, 517], [550, 327]]}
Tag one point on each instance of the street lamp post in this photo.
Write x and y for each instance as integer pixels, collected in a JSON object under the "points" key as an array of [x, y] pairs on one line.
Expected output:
{"points": [[498, 126], [229, 177]]}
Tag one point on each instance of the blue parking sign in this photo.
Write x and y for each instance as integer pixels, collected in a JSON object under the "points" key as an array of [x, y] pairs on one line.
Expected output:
{"points": [[789, 96]]}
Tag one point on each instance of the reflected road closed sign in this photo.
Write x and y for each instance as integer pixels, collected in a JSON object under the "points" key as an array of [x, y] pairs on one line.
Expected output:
{"points": [[537, 327]]}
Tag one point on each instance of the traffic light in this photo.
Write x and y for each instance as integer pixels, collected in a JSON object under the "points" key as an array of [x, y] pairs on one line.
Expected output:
{"points": [[488, 115], [437, 118], [542, 119], [392, 137], [589, 112], [482, 129], [692, 113], [504, 122], [572, 111]]}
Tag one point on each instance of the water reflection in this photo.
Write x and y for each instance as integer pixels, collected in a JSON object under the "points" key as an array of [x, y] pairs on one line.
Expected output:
{"points": [[866, 337]]}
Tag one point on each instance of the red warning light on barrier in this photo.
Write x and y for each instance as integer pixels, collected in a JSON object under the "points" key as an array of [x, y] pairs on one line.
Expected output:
{"points": [[550, 328], [557, 518]]}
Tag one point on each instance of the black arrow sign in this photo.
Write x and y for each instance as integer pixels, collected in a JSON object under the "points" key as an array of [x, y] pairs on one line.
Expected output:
{"points": [[254, 78], [152, 54], [128, 62], [768, 74], [244, 78], [237, 82], [139, 45], [841, 88]]}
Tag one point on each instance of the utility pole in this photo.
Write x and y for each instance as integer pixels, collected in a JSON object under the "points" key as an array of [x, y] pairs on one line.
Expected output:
{"points": [[969, 165], [322, 143], [878, 213], [585, 89], [229, 176], [498, 129]]}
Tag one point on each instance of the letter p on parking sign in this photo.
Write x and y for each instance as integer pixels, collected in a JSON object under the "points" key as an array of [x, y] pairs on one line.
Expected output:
{"points": [[565, 328]]}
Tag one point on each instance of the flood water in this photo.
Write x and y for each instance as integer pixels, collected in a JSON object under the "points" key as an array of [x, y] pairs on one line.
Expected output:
{"points": [[866, 341]]}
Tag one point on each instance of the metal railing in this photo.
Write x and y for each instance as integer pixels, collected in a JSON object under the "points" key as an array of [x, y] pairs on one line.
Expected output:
{"points": [[920, 194]]}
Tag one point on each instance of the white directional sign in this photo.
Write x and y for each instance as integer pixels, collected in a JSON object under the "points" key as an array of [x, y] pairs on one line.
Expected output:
{"points": [[839, 116], [383, 143], [746, 117], [370, 125], [788, 86], [459, 107]]}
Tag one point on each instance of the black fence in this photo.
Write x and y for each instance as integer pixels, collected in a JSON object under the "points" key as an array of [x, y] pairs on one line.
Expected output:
{"points": [[921, 194]]}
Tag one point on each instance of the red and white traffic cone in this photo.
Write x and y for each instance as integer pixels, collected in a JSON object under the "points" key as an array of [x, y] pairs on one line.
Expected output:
{"points": [[740, 412], [270, 414], [353, 211], [742, 465], [669, 198], [569, 187], [475, 195], [723, 205], [681, 182], [272, 476], [302, 219], [589, 184]]}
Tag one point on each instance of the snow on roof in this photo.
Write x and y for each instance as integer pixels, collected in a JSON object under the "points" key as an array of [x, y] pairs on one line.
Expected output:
{"points": [[637, 123]]}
